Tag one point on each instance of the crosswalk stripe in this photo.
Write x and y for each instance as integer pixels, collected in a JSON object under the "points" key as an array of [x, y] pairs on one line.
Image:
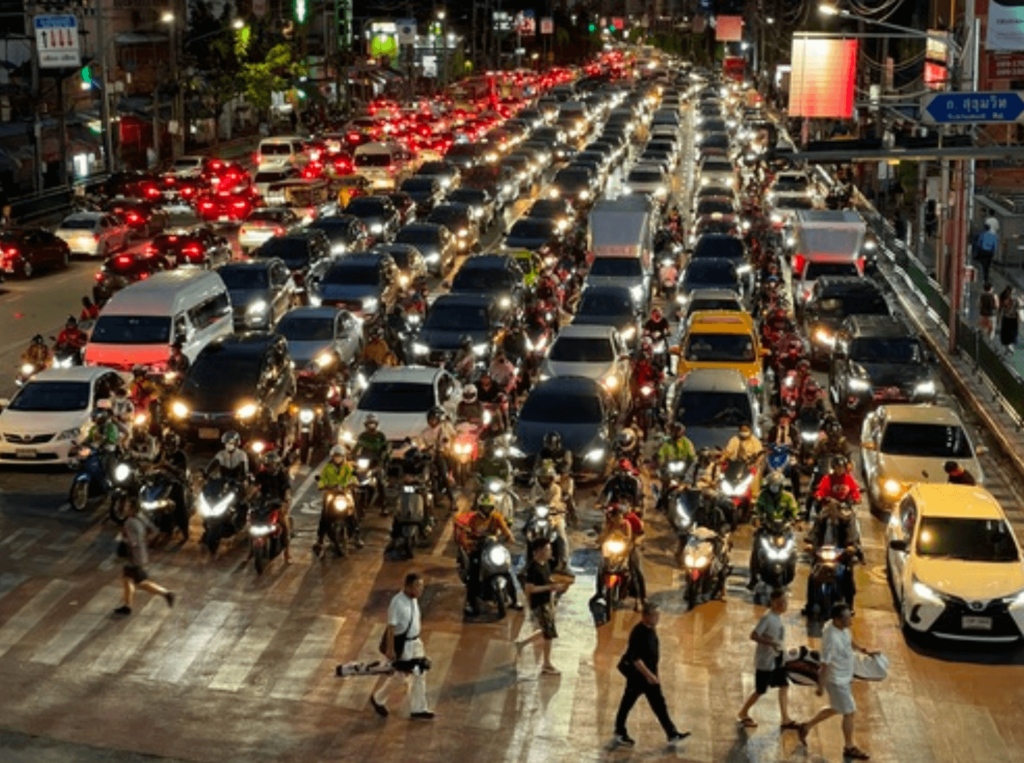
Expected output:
{"points": [[315, 648], [75, 630], [139, 628], [243, 655], [354, 691], [27, 539], [9, 581], [441, 648], [495, 673], [31, 613], [177, 658]]}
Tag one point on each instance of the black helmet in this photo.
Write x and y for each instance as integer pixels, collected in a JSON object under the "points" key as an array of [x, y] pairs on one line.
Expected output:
{"points": [[839, 462], [271, 459], [71, 321], [466, 342], [437, 412], [38, 339], [178, 345], [553, 441], [231, 437], [171, 441]]}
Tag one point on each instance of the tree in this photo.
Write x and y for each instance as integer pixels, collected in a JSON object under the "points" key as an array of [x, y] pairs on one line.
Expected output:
{"points": [[274, 73]]}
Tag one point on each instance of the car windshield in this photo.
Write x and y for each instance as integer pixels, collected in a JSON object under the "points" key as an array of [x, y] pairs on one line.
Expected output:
{"points": [[551, 408], [296, 328], [467, 196], [418, 236], [131, 329], [272, 176], [723, 348], [452, 316], [617, 267], [853, 304], [816, 270], [434, 168], [351, 274], [716, 167], [707, 273], [727, 247], [470, 279], [531, 227], [447, 216], [373, 160], [791, 184], [969, 540], [547, 208], [266, 216], [236, 375], [365, 206], [397, 397], [51, 397], [244, 278], [276, 149], [582, 350], [901, 350], [412, 185], [794, 202], [605, 304], [294, 253], [925, 440], [714, 409], [79, 223], [709, 303], [644, 176], [186, 164], [715, 206], [715, 190]]}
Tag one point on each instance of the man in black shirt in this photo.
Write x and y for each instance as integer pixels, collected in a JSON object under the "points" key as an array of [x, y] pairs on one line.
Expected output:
{"points": [[640, 666], [539, 589], [275, 486]]}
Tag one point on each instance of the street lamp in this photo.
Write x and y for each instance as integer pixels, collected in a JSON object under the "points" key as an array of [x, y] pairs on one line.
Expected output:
{"points": [[826, 9], [167, 17], [441, 15], [177, 104], [238, 24]]}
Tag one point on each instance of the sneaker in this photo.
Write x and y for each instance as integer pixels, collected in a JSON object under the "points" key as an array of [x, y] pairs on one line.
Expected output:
{"points": [[855, 753], [624, 740], [170, 596], [123, 610], [426, 715], [678, 737], [381, 710]]}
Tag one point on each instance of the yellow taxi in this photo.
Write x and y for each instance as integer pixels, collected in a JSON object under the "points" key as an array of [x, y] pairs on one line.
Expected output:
{"points": [[720, 339]]}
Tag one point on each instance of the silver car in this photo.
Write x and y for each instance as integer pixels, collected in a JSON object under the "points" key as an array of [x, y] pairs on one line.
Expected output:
{"points": [[95, 234], [265, 223]]}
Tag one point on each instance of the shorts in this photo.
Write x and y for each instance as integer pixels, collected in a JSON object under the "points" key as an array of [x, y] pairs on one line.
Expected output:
{"points": [[840, 698], [135, 573], [544, 616], [775, 678]]}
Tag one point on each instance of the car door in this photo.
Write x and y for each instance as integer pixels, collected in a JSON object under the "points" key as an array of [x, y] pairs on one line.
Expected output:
{"points": [[283, 290], [871, 433], [904, 525]]}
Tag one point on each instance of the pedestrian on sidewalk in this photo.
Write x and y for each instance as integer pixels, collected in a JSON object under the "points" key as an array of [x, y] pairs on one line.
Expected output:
{"points": [[985, 247], [135, 536], [640, 667], [539, 589], [835, 677], [1009, 318], [987, 307], [404, 649], [769, 672]]}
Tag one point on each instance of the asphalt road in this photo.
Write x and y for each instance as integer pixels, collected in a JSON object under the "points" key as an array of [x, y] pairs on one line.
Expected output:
{"points": [[241, 669]]}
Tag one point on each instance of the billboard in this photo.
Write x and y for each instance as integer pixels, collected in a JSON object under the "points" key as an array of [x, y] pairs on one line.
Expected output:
{"points": [[1005, 26], [526, 23], [729, 28], [822, 77]]}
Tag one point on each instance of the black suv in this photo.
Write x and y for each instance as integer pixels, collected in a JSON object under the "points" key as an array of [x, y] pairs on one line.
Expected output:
{"points": [[346, 233], [426, 191], [834, 299], [305, 251], [366, 284], [242, 382], [261, 292], [877, 359], [452, 317]]}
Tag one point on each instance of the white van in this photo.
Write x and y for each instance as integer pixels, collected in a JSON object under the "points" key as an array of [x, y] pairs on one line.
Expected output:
{"points": [[384, 163], [140, 322], [287, 150]]}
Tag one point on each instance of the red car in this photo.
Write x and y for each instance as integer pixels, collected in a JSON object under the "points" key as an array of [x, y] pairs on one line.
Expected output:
{"points": [[228, 177], [142, 218], [26, 250], [225, 207]]}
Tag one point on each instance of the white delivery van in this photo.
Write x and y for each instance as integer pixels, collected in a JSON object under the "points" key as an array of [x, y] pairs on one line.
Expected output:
{"points": [[140, 322], [384, 163], [621, 239], [282, 150], [826, 242]]}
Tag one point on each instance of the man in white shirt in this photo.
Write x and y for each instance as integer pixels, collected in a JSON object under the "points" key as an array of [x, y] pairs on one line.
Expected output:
{"points": [[403, 647], [835, 676]]}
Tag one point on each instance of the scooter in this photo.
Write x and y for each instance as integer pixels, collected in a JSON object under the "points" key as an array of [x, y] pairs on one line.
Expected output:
{"points": [[495, 581], [91, 480], [315, 398], [645, 411], [540, 524], [777, 555], [124, 488], [706, 566], [465, 450], [219, 505], [736, 483], [340, 518], [414, 519], [266, 534], [808, 424], [615, 582], [156, 497], [680, 516], [25, 373], [504, 499], [366, 469]]}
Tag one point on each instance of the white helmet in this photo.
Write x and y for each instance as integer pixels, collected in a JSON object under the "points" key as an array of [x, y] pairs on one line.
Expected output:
{"points": [[469, 393]]}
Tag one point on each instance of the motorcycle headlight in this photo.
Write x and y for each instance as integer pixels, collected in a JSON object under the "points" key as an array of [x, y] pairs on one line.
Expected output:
{"points": [[260, 531], [420, 349], [306, 416], [698, 562], [257, 308], [340, 503], [62, 363], [775, 217], [610, 382], [541, 512], [739, 488], [499, 556], [675, 467], [859, 385], [823, 336], [628, 333], [207, 509], [925, 388], [584, 195], [829, 554], [28, 369], [370, 304], [594, 455], [614, 546], [376, 229], [809, 436], [122, 472], [179, 410], [247, 411], [480, 349], [347, 437], [325, 360]]}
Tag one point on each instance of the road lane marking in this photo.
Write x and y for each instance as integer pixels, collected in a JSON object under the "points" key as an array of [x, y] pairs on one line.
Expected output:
{"points": [[31, 613], [75, 630], [316, 647], [180, 653], [243, 655], [139, 628]]}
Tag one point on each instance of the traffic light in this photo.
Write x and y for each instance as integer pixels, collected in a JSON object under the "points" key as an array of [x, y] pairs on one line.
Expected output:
{"points": [[593, 27], [86, 78]]}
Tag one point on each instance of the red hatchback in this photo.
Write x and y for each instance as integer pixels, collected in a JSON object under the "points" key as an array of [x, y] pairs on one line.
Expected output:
{"points": [[26, 250]]}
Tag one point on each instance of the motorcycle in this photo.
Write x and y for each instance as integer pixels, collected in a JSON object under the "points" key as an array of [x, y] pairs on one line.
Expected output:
{"points": [[465, 450], [340, 510], [91, 480], [25, 373], [504, 499], [366, 469], [615, 582], [266, 534], [736, 483], [156, 497], [645, 411], [66, 356], [495, 582], [808, 424], [315, 399], [668, 277], [706, 566], [680, 517], [124, 488], [219, 505], [777, 555], [414, 519]]}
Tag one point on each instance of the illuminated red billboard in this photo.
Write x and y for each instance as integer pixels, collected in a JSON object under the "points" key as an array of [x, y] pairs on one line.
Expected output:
{"points": [[729, 28], [822, 77]]}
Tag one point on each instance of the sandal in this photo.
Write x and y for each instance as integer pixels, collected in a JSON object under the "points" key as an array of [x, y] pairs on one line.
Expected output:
{"points": [[801, 730], [855, 753], [790, 725], [747, 722], [550, 670]]}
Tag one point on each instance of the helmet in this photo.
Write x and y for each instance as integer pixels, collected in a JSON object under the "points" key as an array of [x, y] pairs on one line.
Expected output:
{"points": [[337, 450], [38, 339], [138, 370], [547, 470], [704, 454], [803, 364], [99, 414], [272, 459], [437, 412], [469, 393], [811, 389], [774, 482], [833, 427], [553, 441], [626, 440], [677, 428], [485, 377], [231, 438], [371, 420], [171, 441], [466, 342], [486, 503], [839, 463], [71, 321]]}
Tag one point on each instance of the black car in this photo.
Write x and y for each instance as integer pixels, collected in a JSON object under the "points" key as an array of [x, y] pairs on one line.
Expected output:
{"points": [[459, 220], [450, 318], [725, 247], [378, 213], [120, 270], [557, 209], [833, 299], [27, 250], [346, 233], [425, 191], [364, 283], [496, 274], [242, 382], [435, 242], [533, 233], [304, 251], [409, 261], [574, 184], [195, 247], [446, 173], [876, 359], [709, 273], [141, 216], [261, 292], [610, 306], [480, 201]]}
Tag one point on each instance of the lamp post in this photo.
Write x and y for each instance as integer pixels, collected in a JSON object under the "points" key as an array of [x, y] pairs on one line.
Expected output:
{"points": [[441, 17]]}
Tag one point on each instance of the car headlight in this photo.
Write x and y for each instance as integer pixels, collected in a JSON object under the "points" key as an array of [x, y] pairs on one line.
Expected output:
{"points": [[257, 308], [776, 218], [179, 410], [893, 488], [338, 248], [306, 415], [69, 434], [626, 190], [743, 269], [584, 194], [610, 382], [247, 411], [628, 333], [370, 304], [825, 338], [376, 228], [660, 191], [922, 591], [594, 455], [554, 193], [925, 388], [420, 349], [122, 472], [859, 385], [870, 246], [28, 369], [636, 292], [481, 349], [1015, 601], [325, 360]]}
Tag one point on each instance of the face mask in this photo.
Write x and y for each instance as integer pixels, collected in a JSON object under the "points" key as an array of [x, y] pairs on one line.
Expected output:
{"points": [[230, 447], [775, 489], [744, 435]]}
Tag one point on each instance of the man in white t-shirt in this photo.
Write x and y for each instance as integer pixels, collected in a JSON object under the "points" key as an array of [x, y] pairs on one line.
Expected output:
{"points": [[403, 647], [769, 672], [835, 676]]}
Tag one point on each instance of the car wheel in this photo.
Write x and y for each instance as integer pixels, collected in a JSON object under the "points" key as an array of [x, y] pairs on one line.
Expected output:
{"points": [[26, 268]]}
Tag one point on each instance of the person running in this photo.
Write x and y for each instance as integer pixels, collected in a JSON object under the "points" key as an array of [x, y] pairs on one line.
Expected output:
{"points": [[770, 636], [540, 590], [135, 533]]}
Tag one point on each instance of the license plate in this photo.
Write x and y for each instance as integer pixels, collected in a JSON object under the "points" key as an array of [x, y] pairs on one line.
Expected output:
{"points": [[208, 433], [889, 393], [223, 219], [24, 453], [976, 623]]}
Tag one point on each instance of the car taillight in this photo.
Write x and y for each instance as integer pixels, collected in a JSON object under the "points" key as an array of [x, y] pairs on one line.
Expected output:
{"points": [[188, 191], [256, 159], [152, 191], [239, 205], [133, 218], [193, 249], [99, 276], [798, 263], [150, 249], [96, 237], [207, 205], [123, 260], [278, 231]]}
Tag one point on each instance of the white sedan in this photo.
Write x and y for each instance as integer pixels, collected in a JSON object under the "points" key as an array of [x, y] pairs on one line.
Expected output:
{"points": [[594, 352], [95, 234], [39, 425]]}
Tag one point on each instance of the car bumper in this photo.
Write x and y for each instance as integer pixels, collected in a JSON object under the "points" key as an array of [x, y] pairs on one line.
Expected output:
{"points": [[41, 454], [84, 246], [254, 239], [856, 400], [208, 428], [954, 619]]}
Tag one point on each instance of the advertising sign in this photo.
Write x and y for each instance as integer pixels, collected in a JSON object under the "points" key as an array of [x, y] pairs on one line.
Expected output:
{"points": [[1006, 66], [729, 28], [406, 31], [547, 25], [57, 41], [822, 77], [1005, 26], [526, 23]]}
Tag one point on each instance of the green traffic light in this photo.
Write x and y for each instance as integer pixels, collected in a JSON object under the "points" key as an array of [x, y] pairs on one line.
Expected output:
{"points": [[593, 28], [86, 75]]}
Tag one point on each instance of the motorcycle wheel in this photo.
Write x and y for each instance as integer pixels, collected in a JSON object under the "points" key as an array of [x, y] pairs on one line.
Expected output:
{"points": [[411, 538], [260, 558], [305, 447], [118, 505], [79, 496], [614, 597], [691, 594], [211, 539], [499, 597]]}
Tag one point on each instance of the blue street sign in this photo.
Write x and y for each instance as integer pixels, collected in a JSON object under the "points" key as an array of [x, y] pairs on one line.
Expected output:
{"points": [[972, 108]]}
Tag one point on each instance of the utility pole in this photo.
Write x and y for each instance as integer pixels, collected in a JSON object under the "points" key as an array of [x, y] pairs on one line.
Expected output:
{"points": [[106, 89]]}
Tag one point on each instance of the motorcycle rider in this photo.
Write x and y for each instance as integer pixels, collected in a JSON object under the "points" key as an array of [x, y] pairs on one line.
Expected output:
{"points": [[743, 446], [37, 354], [123, 411], [656, 327], [622, 486], [336, 477], [142, 390], [503, 372], [172, 462], [492, 463], [712, 511], [492, 397], [71, 338], [90, 311], [437, 439], [103, 436], [838, 484], [676, 446], [627, 444], [561, 458], [773, 505], [470, 409], [396, 327], [465, 359], [232, 461], [836, 525], [374, 444], [275, 487], [471, 528], [811, 396], [619, 521], [784, 434], [546, 492], [376, 352], [178, 362]]}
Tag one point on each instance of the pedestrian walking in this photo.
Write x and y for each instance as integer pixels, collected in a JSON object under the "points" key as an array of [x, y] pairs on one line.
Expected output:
{"points": [[987, 307], [835, 677], [402, 646], [540, 590], [985, 247], [769, 672], [135, 550], [640, 667], [1009, 318]]}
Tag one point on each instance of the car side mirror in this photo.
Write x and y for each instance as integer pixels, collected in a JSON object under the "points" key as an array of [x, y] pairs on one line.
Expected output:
{"points": [[981, 450], [898, 544], [868, 445]]}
